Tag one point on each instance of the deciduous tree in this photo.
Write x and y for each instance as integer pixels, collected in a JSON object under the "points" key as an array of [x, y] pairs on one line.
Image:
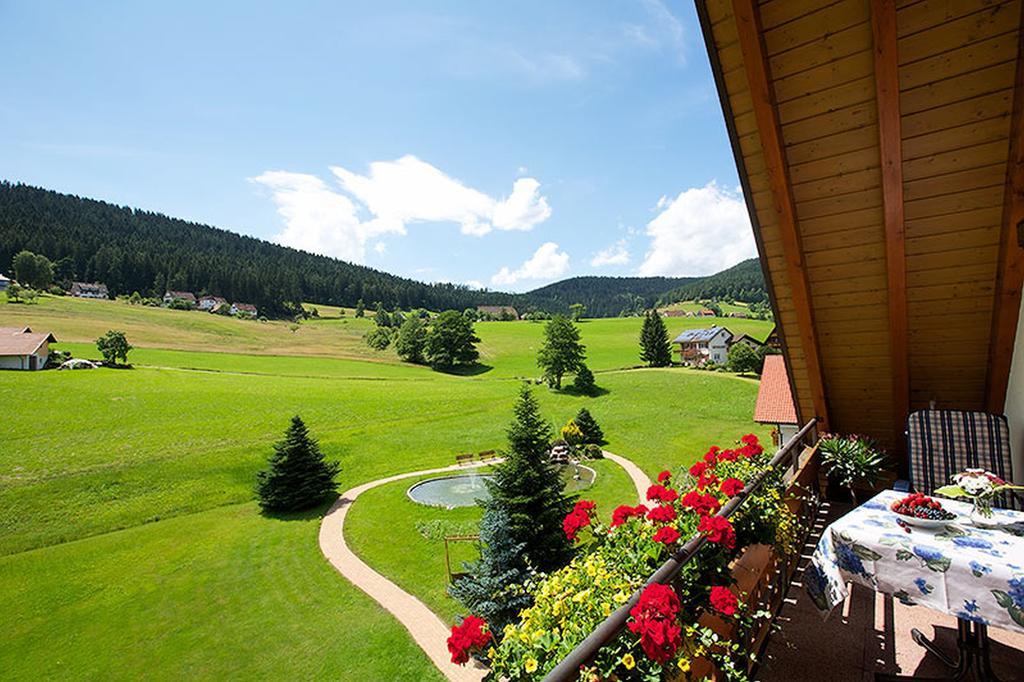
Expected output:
{"points": [[561, 352], [451, 341], [113, 346], [412, 340]]}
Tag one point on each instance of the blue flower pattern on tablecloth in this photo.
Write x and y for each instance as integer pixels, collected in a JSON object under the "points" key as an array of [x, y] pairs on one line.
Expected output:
{"points": [[957, 569]]}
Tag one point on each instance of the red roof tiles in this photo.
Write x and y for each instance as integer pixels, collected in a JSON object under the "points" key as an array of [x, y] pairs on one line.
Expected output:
{"points": [[774, 398]]}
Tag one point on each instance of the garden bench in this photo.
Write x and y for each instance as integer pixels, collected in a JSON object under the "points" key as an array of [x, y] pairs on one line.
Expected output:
{"points": [[464, 458], [487, 454]]}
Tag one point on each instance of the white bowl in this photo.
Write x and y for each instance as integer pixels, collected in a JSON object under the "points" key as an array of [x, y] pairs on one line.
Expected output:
{"points": [[925, 523]]}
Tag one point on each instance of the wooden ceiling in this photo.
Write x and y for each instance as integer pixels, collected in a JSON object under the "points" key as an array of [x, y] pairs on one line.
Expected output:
{"points": [[877, 143]]}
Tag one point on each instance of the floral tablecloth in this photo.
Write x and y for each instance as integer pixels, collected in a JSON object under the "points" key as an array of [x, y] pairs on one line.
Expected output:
{"points": [[966, 571]]}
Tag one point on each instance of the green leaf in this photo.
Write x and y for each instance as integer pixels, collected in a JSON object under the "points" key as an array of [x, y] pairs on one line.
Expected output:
{"points": [[1017, 614], [1003, 599], [904, 555], [951, 491], [939, 565], [866, 553]]}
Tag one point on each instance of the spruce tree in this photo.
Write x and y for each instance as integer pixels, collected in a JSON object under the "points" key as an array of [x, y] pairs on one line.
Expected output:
{"points": [[584, 382], [360, 308], [655, 348], [530, 491], [489, 590], [592, 433], [298, 477], [562, 352]]}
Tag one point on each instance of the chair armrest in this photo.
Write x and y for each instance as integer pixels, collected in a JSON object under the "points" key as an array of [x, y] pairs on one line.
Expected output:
{"points": [[901, 486]]}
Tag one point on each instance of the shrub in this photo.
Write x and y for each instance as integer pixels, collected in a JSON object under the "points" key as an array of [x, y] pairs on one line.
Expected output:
{"points": [[744, 360], [572, 434], [584, 382], [593, 451], [592, 433], [849, 460], [113, 346], [379, 338], [298, 476]]}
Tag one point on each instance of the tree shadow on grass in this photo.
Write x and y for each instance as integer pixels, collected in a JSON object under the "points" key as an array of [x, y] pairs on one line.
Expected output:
{"points": [[595, 392], [314, 512], [467, 370]]}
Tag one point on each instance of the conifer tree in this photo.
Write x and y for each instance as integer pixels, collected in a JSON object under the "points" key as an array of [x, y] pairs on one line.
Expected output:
{"points": [[298, 477], [584, 382], [360, 308], [562, 352], [655, 348], [592, 433], [530, 491], [489, 589]]}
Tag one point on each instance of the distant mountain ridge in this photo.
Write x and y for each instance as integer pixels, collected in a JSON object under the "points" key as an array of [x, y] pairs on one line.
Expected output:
{"points": [[134, 250]]}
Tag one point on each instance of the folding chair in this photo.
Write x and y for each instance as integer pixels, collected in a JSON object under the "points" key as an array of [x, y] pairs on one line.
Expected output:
{"points": [[942, 443]]}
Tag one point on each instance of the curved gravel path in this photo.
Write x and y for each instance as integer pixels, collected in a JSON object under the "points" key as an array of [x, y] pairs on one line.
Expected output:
{"points": [[428, 631]]}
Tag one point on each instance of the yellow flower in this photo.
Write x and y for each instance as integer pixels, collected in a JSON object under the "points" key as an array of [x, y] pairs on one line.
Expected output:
{"points": [[628, 661], [492, 652], [524, 638], [607, 608], [684, 665], [531, 665]]}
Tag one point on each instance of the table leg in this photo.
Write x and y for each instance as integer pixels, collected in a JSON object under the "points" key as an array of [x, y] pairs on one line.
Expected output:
{"points": [[973, 655]]}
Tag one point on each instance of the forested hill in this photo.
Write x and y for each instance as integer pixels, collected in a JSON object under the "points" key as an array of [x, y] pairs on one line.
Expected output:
{"points": [[134, 250], [742, 282], [603, 296]]}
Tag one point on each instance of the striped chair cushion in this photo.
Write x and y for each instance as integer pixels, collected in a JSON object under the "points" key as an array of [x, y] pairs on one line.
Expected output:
{"points": [[945, 442]]}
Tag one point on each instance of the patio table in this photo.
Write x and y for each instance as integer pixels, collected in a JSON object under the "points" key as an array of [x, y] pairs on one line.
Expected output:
{"points": [[973, 573]]}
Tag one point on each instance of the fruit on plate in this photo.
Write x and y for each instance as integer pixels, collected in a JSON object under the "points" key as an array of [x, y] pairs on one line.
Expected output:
{"points": [[920, 506]]}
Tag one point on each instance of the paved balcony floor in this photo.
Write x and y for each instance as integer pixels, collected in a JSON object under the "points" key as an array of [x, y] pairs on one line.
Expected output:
{"points": [[869, 633]]}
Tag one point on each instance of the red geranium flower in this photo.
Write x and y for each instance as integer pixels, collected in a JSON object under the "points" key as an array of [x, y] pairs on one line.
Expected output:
{"points": [[662, 514], [471, 634], [727, 456], [624, 512], [723, 600], [731, 486], [584, 506], [702, 504], [707, 480], [574, 522], [654, 619], [698, 469], [664, 476], [661, 493], [666, 535], [718, 530]]}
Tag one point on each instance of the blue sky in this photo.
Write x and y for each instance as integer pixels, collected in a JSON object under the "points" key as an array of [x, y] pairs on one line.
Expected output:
{"points": [[504, 145]]}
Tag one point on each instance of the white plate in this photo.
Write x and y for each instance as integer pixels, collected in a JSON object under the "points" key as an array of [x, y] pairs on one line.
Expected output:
{"points": [[925, 523]]}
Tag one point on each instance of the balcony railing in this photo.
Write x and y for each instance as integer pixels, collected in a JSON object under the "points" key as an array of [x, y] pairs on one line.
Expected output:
{"points": [[788, 456]]}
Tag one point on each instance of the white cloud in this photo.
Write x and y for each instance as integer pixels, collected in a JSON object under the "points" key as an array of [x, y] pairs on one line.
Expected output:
{"points": [[616, 254], [546, 263], [701, 231], [380, 247], [474, 284], [394, 194], [669, 29]]}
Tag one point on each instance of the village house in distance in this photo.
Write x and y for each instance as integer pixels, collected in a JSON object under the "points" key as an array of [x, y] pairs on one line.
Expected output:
{"points": [[21, 348], [89, 290]]}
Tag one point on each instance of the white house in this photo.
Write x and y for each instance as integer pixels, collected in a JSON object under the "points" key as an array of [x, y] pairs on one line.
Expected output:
{"points": [[697, 346], [20, 348], [210, 302], [185, 296], [243, 309], [4, 283], [89, 290]]}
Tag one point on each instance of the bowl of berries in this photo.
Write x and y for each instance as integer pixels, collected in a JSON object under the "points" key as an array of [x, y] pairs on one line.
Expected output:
{"points": [[917, 509]]}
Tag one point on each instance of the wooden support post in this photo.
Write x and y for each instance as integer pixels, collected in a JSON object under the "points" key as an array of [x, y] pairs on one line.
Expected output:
{"points": [[748, 24]]}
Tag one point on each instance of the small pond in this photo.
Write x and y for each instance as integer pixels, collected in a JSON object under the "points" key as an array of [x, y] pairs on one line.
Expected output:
{"points": [[463, 490]]}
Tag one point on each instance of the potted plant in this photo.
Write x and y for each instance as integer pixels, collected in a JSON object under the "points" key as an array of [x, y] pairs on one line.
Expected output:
{"points": [[978, 487], [852, 461]]}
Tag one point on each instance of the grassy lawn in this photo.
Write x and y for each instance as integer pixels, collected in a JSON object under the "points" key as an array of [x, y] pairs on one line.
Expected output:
{"points": [[414, 559], [129, 543]]}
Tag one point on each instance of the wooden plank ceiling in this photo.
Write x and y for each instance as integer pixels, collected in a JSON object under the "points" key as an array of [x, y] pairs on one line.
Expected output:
{"points": [[873, 138]]}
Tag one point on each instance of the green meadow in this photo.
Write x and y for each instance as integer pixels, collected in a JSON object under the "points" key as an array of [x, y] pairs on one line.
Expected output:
{"points": [[130, 544]]}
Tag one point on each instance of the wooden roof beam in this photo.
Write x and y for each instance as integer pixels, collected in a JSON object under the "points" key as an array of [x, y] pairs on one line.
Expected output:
{"points": [[1010, 277], [887, 96], [755, 59]]}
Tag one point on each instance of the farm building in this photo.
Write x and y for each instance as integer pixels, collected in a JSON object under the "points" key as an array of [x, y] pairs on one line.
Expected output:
{"points": [[673, 313], [89, 290], [706, 312], [697, 346], [211, 302], [748, 341], [498, 312], [21, 348], [243, 309], [775, 404], [4, 283], [184, 296]]}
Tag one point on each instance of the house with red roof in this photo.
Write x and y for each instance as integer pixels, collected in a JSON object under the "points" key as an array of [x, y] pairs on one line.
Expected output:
{"points": [[775, 404]]}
